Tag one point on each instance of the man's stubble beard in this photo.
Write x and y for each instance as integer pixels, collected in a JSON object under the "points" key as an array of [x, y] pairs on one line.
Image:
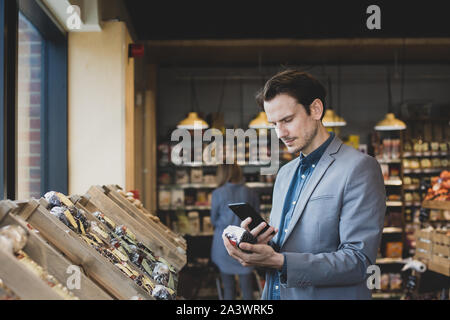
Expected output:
{"points": [[308, 139]]}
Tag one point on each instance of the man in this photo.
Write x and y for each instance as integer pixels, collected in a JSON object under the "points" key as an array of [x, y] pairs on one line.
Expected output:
{"points": [[328, 204]]}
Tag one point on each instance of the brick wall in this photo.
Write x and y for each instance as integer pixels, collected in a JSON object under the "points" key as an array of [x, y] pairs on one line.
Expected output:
{"points": [[29, 110]]}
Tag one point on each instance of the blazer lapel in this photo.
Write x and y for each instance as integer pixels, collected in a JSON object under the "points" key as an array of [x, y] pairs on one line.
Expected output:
{"points": [[325, 161]]}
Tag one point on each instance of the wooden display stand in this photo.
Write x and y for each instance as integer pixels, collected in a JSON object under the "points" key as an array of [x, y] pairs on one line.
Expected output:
{"points": [[142, 214], [44, 255], [96, 199], [433, 247], [97, 267]]}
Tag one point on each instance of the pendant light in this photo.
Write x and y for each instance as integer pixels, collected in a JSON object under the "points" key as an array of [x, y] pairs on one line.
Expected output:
{"points": [[331, 119], [260, 122], [390, 122], [193, 121]]}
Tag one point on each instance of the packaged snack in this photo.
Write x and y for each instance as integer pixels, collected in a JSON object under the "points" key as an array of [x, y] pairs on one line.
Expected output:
{"points": [[395, 281], [162, 293], [53, 199], [17, 236], [161, 274], [236, 235]]}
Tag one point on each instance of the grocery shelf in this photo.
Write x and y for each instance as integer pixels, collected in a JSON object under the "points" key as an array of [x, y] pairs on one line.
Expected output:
{"points": [[393, 182], [389, 260], [425, 170], [386, 295], [383, 161], [425, 154], [394, 203], [411, 187], [392, 230]]}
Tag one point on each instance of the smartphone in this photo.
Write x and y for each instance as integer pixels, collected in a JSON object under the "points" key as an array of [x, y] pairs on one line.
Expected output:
{"points": [[243, 210]]}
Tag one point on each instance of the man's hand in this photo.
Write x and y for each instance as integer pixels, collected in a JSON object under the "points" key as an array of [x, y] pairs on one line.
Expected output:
{"points": [[263, 238], [261, 254]]}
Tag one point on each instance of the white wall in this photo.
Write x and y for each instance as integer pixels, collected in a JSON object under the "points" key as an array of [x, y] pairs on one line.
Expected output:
{"points": [[97, 107]]}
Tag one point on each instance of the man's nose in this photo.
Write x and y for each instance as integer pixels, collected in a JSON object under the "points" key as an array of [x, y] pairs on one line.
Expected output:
{"points": [[282, 132]]}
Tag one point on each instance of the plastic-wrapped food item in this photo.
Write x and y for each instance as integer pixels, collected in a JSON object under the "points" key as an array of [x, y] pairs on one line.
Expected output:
{"points": [[163, 293], [161, 274], [17, 235], [53, 199], [237, 235], [109, 223], [124, 232], [98, 230], [6, 244]]}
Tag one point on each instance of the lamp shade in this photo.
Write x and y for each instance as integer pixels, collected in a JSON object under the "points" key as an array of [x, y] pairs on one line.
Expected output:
{"points": [[390, 123], [331, 119], [193, 121], [260, 122]]}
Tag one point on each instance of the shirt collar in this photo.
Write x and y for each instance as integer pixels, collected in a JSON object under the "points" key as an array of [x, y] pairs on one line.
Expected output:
{"points": [[315, 156]]}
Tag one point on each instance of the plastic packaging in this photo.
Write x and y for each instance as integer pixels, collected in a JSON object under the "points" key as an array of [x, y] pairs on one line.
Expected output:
{"points": [[17, 235], [53, 199], [237, 235], [162, 293], [161, 274], [6, 244]]}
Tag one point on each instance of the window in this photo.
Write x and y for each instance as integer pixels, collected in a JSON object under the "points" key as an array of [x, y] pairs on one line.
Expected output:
{"points": [[33, 102], [29, 106]]}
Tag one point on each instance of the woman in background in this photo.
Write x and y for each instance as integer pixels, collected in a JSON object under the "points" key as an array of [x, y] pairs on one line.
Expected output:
{"points": [[230, 189]]}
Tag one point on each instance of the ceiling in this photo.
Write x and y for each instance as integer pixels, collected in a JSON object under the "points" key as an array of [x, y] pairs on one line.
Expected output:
{"points": [[204, 33]]}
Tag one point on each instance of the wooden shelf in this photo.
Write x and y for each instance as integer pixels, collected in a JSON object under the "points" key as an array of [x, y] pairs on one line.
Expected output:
{"points": [[387, 161], [438, 205], [394, 203], [393, 182], [392, 230], [389, 260]]}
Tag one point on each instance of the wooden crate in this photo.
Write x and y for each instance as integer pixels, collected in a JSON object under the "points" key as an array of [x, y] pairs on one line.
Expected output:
{"points": [[112, 191], [145, 232], [22, 281], [434, 204], [48, 257], [89, 215], [97, 267], [440, 264]]}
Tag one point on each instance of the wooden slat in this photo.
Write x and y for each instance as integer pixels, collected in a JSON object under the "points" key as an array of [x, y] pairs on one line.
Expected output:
{"points": [[145, 232], [22, 281], [97, 267], [54, 262], [140, 215]]}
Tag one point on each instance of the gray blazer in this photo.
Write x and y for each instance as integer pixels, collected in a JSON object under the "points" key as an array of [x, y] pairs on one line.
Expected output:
{"points": [[336, 226]]}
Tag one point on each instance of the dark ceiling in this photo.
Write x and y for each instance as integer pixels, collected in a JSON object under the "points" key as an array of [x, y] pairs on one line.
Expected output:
{"points": [[231, 33], [245, 19]]}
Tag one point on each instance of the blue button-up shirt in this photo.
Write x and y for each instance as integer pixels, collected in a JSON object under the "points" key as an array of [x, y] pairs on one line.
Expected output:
{"points": [[304, 170]]}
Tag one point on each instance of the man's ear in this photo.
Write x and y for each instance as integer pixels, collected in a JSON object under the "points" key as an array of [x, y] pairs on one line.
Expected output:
{"points": [[316, 109]]}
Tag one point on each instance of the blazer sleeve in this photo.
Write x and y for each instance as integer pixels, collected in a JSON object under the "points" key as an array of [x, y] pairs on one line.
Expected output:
{"points": [[360, 229]]}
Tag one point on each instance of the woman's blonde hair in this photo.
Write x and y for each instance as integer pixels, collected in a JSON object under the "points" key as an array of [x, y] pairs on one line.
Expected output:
{"points": [[229, 173]]}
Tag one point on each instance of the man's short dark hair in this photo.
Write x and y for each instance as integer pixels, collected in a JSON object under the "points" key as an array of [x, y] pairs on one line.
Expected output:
{"points": [[299, 85]]}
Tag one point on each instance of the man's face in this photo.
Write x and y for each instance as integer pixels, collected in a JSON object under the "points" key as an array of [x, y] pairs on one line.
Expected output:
{"points": [[292, 124]]}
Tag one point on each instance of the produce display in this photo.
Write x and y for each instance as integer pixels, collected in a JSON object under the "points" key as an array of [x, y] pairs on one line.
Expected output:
{"points": [[13, 238], [131, 197], [440, 187], [119, 245]]}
